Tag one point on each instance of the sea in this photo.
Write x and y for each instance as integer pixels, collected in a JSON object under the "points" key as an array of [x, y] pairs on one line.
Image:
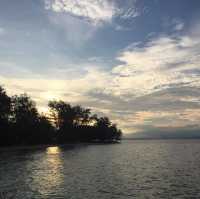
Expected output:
{"points": [[132, 169]]}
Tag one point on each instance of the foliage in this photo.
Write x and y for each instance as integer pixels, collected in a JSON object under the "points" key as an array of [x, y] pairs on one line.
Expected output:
{"points": [[5, 111], [21, 123], [5, 105]]}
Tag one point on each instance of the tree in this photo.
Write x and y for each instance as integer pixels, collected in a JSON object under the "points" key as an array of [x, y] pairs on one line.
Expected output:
{"points": [[115, 132], [21, 123], [25, 118], [64, 114], [61, 113], [105, 130], [76, 123], [102, 128], [29, 126], [82, 116], [24, 109], [103, 122], [5, 110], [5, 105], [45, 133], [68, 119]]}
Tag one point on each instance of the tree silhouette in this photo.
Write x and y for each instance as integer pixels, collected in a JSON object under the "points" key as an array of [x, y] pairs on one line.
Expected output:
{"points": [[46, 133], [76, 123], [5, 110], [22, 124], [64, 114], [106, 131], [68, 119], [30, 126], [82, 116], [5, 105]]}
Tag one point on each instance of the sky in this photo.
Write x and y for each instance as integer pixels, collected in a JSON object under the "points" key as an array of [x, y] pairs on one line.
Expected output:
{"points": [[135, 61]]}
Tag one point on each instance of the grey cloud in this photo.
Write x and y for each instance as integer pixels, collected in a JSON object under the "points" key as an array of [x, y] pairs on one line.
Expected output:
{"points": [[165, 106], [164, 100], [195, 72]]}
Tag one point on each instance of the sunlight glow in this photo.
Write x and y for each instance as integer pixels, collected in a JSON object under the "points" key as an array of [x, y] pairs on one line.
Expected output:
{"points": [[53, 150], [50, 96]]}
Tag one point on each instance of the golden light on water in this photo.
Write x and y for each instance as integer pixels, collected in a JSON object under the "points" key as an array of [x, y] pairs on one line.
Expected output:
{"points": [[53, 150], [50, 171]]}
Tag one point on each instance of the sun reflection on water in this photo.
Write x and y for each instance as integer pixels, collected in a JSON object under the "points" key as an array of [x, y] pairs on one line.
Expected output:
{"points": [[49, 173], [53, 150]]}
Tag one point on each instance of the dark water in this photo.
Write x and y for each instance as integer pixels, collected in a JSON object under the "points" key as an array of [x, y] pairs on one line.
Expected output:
{"points": [[133, 169]]}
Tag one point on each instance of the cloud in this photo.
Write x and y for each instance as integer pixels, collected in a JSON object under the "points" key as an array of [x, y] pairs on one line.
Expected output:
{"points": [[158, 64], [177, 106], [179, 25], [156, 83], [75, 30], [129, 13], [122, 28], [12, 69], [189, 131], [174, 24], [92, 10], [80, 20], [72, 90]]}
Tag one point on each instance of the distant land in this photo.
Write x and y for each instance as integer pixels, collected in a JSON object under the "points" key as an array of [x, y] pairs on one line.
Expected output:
{"points": [[189, 132]]}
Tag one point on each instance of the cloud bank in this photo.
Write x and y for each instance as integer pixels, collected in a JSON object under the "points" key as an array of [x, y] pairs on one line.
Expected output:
{"points": [[156, 85]]}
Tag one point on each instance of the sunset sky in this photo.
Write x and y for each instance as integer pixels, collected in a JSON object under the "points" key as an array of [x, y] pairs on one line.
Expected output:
{"points": [[136, 61]]}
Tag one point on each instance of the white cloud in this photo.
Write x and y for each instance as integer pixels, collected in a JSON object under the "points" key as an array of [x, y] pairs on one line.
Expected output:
{"points": [[129, 13], [72, 90], [179, 26], [80, 20], [94, 10], [162, 61], [174, 24]]}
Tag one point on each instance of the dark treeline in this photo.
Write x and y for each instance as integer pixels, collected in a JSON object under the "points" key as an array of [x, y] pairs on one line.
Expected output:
{"points": [[22, 124]]}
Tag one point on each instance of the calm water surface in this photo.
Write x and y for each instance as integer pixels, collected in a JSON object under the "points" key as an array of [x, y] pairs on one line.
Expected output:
{"points": [[133, 169]]}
